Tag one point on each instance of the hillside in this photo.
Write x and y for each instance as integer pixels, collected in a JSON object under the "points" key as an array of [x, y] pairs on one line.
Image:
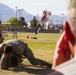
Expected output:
{"points": [[7, 13]]}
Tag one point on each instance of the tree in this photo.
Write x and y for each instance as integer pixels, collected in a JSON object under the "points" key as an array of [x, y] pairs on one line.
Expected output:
{"points": [[17, 22], [22, 21], [34, 22], [14, 21]]}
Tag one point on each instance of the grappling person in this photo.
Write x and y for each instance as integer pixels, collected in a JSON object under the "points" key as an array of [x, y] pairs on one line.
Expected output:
{"points": [[12, 51]]}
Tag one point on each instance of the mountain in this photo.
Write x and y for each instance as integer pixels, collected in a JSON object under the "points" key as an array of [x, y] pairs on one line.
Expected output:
{"points": [[58, 18], [7, 13]]}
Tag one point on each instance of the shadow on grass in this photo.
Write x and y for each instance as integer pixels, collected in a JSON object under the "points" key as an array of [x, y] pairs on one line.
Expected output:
{"points": [[52, 72], [37, 70]]}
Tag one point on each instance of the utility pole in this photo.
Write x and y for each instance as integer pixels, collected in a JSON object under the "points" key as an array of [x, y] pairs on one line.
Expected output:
{"points": [[19, 10], [16, 11], [37, 16], [62, 16]]}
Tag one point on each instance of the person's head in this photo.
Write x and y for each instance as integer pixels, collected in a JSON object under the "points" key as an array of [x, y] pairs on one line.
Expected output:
{"points": [[9, 58], [71, 15], [8, 49]]}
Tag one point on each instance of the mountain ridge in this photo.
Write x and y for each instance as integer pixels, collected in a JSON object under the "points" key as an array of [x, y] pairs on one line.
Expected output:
{"points": [[6, 13]]}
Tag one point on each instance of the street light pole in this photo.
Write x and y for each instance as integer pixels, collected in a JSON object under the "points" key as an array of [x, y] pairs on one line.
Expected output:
{"points": [[19, 10], [22, 11], [16, 11], [51, 22], [37, 16], [62, 20]]}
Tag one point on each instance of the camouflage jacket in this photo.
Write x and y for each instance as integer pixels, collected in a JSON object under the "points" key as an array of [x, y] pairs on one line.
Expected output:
{"points": [[18, 46]]}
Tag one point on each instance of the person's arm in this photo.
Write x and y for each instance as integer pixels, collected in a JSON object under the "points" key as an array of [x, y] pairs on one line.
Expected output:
{"points": [[1, 38], [58, 58], [0, 28], [60, 52]]}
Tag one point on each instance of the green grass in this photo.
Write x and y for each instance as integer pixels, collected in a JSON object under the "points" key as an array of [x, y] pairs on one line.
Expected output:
{"points": [[43, 48]]}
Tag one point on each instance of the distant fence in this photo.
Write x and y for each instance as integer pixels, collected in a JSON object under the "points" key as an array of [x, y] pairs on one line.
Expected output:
{"points": [[51, 30]]}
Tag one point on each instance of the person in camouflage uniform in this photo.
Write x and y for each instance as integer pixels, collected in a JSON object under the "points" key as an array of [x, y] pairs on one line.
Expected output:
{"points": [[12, 51], [1, 37]]}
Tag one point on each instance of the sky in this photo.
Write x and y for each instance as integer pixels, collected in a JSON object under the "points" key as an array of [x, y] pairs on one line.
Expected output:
{"points": [[34, 7]]}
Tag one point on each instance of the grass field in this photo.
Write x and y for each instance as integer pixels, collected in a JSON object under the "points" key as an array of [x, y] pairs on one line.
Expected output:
{"points": [[43, 47]]}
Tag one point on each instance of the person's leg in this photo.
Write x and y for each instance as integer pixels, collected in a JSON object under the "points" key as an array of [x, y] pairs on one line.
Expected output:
{"points": [[38, 29], [30, 56], [13, 36], [1, 39], [16, 36]]}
